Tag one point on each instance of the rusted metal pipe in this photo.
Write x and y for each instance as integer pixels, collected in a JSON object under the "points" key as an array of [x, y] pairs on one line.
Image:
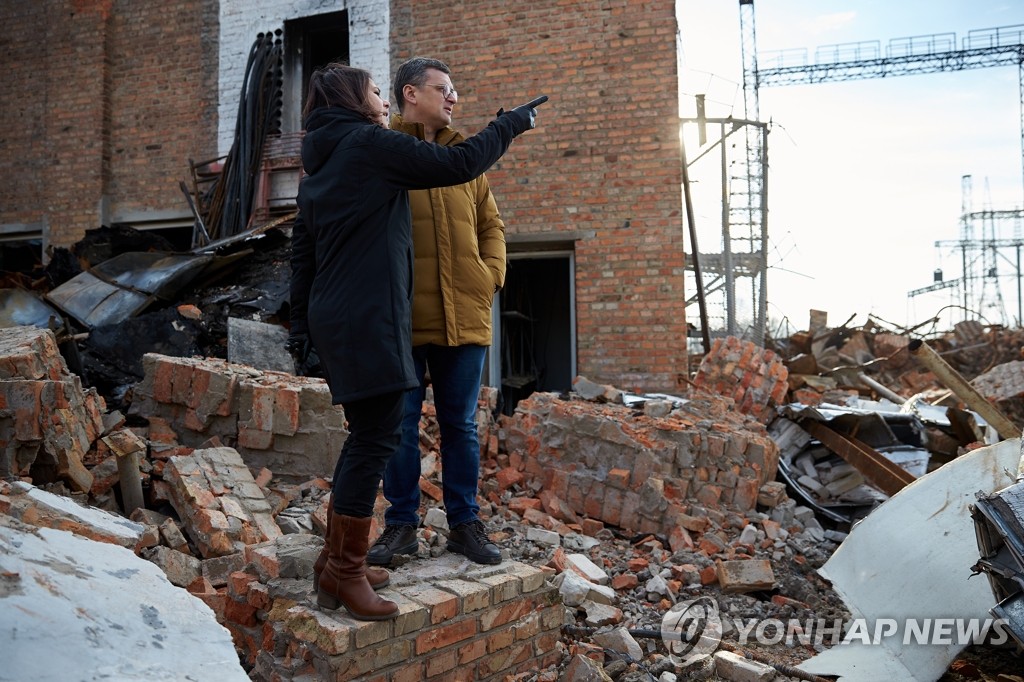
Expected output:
{"points": [[927, 356]]}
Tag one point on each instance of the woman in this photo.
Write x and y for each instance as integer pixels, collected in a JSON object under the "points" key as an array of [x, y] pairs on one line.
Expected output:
{"points": [[351, 292]]}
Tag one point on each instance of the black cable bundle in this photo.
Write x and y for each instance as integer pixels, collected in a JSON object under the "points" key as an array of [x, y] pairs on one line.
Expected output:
{"points": [[230, 200]]}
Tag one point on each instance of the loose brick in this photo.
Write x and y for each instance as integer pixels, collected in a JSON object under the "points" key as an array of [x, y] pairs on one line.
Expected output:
{"points": [[748, 575]]}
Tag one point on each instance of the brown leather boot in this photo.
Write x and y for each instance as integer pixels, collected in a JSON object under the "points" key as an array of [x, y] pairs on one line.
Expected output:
{"points": [[343, 581], [377, 577]]}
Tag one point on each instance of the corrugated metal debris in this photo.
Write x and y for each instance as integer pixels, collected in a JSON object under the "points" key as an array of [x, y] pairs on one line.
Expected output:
{"points": [[999, 525]]}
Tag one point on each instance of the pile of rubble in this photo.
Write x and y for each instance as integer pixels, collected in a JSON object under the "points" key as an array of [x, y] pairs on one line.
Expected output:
{"points": [[611, 509], [874, 361]]}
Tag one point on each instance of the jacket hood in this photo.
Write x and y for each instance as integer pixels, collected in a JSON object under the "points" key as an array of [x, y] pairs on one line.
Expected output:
{"points": [[447, 136], [325, 127]]}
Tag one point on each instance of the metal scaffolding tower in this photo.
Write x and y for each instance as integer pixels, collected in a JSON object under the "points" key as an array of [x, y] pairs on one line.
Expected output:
{"points": [[749, 205], [743, 147], [984, 259], [982, 48]]}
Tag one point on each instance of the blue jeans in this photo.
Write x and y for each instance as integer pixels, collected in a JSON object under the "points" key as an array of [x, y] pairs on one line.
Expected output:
{"points": [[455, 375]]}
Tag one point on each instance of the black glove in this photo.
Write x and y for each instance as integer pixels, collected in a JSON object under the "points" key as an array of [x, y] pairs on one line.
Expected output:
{"points": [[298, 346], [525, 115], [307, 362]]}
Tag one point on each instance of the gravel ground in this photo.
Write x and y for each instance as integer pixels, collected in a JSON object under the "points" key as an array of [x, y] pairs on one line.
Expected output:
{"points": [[800, 595]]}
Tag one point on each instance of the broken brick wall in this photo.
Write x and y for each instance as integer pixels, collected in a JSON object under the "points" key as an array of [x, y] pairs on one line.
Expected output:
{"points": [[457, 621], [563, 183], [219, 502], [275, 420], [48, 422], [754, 378], [652, 474]]}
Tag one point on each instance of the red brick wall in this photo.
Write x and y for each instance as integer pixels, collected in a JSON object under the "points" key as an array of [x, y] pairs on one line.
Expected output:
{"points": [[53, 113], [22, 109], [106, 101], [604, 160], [163, 99]]}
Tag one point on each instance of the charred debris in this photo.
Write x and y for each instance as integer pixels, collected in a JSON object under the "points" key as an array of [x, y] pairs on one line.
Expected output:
{"points": [[120, 293]]}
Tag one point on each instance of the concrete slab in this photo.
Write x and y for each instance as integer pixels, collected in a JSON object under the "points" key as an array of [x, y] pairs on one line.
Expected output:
{"points": [[259, 345], [76, 609]]}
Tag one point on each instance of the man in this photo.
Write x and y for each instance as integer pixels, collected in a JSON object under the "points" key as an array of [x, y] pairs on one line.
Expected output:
{"points": [[459, 244]]}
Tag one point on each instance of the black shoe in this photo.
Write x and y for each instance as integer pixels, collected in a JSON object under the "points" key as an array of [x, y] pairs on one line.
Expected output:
{"points": [[470, 539], [394, 540]]}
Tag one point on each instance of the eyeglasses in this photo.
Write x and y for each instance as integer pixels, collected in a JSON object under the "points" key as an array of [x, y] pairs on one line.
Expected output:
{"points": [[447, 91]]}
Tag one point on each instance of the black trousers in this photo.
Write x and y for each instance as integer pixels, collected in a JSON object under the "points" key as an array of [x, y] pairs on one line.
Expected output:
{"points": [[375, 431]]}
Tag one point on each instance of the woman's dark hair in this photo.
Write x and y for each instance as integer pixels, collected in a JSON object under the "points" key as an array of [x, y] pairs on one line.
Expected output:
{"points": [[340, 85]]}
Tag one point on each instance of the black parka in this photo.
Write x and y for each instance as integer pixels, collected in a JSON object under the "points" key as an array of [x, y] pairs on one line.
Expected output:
{"points": [[352, 255]]}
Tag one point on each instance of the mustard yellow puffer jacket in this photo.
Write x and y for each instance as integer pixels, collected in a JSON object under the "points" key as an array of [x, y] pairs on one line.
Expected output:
{"points": [[459, 244]]}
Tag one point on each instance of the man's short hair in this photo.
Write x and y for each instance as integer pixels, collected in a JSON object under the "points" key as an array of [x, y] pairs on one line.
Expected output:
{"points": [[414, 72]]}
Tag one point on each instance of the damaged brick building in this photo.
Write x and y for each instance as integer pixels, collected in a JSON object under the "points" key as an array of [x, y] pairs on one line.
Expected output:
{"points": [[117, 99], [118, 102]]}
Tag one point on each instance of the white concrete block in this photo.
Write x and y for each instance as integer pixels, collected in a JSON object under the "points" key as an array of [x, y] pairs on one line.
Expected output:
{"points": [[543, 536], [735, 668], [77, 609], [582, 564]]}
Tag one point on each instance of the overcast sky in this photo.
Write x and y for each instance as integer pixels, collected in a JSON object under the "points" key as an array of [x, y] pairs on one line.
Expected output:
{"points": [[866, 175]]}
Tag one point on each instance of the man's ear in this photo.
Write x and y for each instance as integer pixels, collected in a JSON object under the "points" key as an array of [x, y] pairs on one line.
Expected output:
{"points": [[409, 93]]}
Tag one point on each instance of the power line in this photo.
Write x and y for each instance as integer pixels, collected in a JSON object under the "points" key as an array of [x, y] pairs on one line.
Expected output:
{"points": [[932, 53]]}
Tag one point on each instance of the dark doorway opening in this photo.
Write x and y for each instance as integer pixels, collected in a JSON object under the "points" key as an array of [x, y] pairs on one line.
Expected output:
{"points": [[312, 42], [179, 237], [23, 256], [537, 328]]}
